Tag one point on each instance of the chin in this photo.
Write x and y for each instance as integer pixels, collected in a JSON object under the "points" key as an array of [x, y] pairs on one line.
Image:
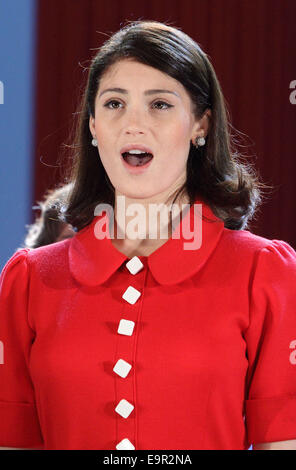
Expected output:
{"points": [[139, 194]]}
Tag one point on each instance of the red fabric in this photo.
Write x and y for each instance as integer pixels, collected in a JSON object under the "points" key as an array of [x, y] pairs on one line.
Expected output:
{"points": [[210, 351]]}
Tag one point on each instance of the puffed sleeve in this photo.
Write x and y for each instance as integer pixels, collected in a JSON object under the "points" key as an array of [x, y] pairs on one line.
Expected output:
{"points": [[270, 411], [19, 425]]}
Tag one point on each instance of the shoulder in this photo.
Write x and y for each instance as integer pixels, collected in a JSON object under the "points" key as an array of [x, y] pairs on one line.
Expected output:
{"points": [[16, 268], [49, 254], [261, 259], [47, 263], [244, 242], [50, 263], [41, 257], [19, 257], [244, 239], [270, 264]]}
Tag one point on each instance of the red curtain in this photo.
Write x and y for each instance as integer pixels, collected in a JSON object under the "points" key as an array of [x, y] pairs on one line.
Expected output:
{"points": [[252, 47]]}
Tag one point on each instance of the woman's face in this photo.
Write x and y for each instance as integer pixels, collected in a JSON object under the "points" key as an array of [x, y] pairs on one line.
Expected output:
{"points": [[161, 121]]}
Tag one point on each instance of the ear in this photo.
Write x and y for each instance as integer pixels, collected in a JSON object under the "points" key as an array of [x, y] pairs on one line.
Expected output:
{"points": [[202, 125], [92, 126]]}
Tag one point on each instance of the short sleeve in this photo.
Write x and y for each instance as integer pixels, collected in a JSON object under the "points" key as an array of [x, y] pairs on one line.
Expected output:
{"points": [[270, 411], [19, 424]]}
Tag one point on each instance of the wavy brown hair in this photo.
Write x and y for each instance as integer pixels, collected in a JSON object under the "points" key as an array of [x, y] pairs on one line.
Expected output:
{"points": [[216, 172], [48, 227]]}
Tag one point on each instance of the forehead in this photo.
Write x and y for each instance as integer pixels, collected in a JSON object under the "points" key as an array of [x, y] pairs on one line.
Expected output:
{"points": [[126, 70]]}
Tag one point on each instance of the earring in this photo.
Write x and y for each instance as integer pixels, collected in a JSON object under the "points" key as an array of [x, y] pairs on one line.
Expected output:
{"points": [[94, 142], [199, 142]]}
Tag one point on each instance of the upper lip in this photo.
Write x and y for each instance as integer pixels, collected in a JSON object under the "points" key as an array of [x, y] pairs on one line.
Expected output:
{"points": [[129, 147]]}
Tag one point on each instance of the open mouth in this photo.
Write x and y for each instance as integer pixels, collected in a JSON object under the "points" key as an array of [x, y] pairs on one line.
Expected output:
{"points": [[137, 159]]}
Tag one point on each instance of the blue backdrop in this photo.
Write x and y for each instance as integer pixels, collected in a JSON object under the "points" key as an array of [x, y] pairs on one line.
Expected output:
{"points": [[17, 53]]}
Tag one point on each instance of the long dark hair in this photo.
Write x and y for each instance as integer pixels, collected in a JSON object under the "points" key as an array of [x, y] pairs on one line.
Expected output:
{"points": [[47, 227], [215, 171]]}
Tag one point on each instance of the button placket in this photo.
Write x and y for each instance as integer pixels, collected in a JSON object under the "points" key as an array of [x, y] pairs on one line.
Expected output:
{"points": [[125, 407]]}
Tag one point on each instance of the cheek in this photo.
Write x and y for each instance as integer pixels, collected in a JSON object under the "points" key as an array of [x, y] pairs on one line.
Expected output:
{"points": [[106, 142], [180, 128], [179, 141], [102, 130]]}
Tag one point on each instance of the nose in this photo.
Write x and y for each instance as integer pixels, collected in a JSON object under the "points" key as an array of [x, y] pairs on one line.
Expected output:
{"points": [[135, 121]]}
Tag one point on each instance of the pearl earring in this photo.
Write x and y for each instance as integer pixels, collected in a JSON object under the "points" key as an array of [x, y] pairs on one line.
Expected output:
{"points": [[94, 142], [199, 142]]}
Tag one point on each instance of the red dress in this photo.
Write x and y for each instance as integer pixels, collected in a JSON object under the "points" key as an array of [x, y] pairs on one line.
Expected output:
{"points": [[195, 349]]}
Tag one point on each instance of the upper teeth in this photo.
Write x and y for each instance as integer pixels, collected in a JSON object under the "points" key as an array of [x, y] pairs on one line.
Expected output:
{"points": [[136, 151]]}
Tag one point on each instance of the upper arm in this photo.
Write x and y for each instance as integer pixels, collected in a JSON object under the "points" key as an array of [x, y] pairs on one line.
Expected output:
{"points": [[19, 423], [21, 448], [270, 347], [279, 445], [11, 448]]}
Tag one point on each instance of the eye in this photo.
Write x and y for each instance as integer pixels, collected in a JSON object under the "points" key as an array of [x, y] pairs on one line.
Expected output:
{"points": [[163, 103], [109, 102]]}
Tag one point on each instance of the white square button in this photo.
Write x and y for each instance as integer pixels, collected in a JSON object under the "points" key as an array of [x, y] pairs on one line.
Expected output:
{"points": [[126, 327], [131, 295], [125, 444], [122, 368], [124, 408], [134, 265]]}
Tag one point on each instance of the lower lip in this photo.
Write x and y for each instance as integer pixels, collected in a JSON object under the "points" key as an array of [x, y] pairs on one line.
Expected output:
{"points": [[136, 169]]}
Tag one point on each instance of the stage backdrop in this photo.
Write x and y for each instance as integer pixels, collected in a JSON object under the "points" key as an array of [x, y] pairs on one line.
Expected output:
{"points": [[17, 143], [252, 47]]}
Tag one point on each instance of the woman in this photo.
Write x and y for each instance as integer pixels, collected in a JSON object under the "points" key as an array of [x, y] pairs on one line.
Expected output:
{"points": [[123, 342]]}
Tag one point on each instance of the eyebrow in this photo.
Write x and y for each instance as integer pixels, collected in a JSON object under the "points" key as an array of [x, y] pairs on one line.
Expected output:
{"points": [[147, 92]]}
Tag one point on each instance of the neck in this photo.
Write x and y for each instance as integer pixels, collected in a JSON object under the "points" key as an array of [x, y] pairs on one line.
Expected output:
{"points": [[143, 225]]}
